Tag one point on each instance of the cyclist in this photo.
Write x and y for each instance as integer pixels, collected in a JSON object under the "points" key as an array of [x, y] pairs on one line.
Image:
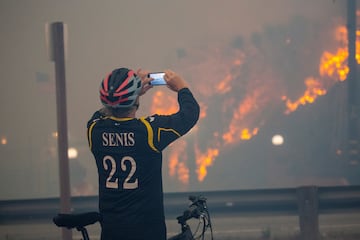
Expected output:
{"points": [[128, 153]]}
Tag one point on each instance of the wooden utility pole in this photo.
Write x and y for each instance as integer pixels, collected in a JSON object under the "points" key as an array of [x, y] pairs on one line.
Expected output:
{"points": [[57, 37]]}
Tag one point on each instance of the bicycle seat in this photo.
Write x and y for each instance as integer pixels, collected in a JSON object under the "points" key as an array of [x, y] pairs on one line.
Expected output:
{"points": [[76, 220]]}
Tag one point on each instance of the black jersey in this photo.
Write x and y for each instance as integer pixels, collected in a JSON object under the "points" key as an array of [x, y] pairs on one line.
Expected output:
{"points": [[128, 154]]}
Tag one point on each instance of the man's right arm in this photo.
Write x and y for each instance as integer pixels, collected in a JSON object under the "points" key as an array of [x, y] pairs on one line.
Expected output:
{"points": [[167, 128], [189, 110]]}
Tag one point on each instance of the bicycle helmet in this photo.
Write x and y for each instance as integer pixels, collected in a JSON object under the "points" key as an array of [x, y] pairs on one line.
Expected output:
{"points": [[120, 88]]}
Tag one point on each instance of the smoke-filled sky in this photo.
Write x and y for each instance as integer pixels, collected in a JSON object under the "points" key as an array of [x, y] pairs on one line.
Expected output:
{"points": [[243, 59]]}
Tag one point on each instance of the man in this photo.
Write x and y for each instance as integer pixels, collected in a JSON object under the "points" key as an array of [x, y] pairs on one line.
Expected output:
{"points": [[128, 153]]}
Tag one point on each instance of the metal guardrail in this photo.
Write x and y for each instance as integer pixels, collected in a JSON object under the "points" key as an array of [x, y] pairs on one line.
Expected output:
{"points": [[221, 203]]}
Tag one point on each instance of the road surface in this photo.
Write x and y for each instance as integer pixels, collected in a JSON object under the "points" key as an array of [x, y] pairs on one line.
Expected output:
{"points": [[332, 226]]}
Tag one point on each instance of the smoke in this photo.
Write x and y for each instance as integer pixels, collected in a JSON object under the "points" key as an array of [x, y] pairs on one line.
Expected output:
{"points": [[246, 83], [243, 59]]}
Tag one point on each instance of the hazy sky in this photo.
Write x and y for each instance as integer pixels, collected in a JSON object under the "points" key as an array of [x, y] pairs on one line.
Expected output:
{"points": [[196, 38]]}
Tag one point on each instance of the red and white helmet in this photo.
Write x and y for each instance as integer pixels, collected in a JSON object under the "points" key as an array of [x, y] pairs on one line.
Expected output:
{"points": [[120, 88]]}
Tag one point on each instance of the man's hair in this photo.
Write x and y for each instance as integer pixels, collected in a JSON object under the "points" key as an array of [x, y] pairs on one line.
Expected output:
{"points": [[120, 112]]}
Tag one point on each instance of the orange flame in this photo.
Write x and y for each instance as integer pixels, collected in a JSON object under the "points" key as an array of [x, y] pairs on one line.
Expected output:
{"points": [[183, 173], [163, 104], [203, 110], [224, 85], [333, 67], [236, 131], [177, 161], [313, 89], [204, 160]]}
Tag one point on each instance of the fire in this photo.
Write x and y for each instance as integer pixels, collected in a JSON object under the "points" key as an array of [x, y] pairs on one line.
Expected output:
{"points": [[224, 85], [246, 134], [177, 161], [175, 154], [332, 68], [203, 110], [250, 106], [334, 65], [163, 104], [240, 94], [314, 89], [183, 173], [204, 160]]}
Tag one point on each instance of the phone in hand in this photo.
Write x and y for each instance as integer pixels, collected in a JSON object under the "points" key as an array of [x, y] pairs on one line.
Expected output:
{"points": [[158, 78]]}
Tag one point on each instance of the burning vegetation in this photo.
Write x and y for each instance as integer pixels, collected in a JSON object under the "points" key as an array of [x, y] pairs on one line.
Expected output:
{"points": [[239, 85]]}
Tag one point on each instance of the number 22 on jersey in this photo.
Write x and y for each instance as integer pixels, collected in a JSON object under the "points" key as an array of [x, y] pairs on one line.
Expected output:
{"points": [[112, 181]]}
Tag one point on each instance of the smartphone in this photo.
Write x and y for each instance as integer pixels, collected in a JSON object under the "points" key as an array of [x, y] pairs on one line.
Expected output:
{"points": [[158, 78]]}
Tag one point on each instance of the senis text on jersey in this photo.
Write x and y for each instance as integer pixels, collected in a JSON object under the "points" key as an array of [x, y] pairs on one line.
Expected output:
{"points": [[113, 139]]}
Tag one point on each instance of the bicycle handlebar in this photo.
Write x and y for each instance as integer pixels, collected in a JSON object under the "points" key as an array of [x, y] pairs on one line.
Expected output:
{"points": [[197, 199], [195, 209]]}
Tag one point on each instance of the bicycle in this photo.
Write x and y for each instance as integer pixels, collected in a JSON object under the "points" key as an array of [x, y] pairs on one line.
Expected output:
{"points": [[196, 210]]}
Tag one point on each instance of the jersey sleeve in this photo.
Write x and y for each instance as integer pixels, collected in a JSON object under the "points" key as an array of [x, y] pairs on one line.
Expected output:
{"points": [[167, 128], [90, 125]]}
